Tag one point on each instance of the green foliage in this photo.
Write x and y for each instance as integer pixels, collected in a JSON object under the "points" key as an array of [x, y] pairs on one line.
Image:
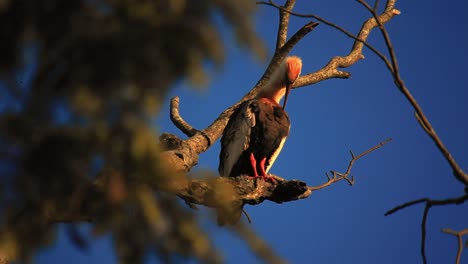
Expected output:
{"points": [[108, 65]]}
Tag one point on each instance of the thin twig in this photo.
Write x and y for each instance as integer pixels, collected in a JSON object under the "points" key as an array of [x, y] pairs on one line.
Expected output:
{"points": [[456, 201], [422, 119], [249, 219], [337, 176], [429, 203], [376, 5], [423, 232], [425, 124], [329, 23], [407, 204], [459, 236]]}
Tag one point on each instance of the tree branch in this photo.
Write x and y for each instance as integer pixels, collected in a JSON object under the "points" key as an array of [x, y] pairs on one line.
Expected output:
{"points": [[109, 190], [337, 176], [283, 24], [360, 39], [184, 158], [421, 117], [429, 203], [393, 67], [178, 121], [331, 69], [459, 236]]}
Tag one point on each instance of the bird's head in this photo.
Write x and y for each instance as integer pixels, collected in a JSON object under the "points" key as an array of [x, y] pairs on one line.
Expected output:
{"points": [[282, 79], [293, 66]]}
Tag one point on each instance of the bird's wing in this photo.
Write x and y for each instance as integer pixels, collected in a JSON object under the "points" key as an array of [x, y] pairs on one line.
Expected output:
{"points": [[275, 155], [236, 137], [283, 124]]}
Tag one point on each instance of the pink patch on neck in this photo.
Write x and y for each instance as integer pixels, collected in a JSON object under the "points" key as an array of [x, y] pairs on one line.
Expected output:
{"points": [[294, 66]]}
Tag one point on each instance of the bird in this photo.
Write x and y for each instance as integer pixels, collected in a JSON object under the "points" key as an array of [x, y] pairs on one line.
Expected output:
{"points": [[256, 132], [258, 128]]}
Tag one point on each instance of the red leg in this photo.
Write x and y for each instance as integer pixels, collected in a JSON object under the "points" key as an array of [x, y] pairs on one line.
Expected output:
{"points": [[262, 167], [253, 162], [265, 176]]}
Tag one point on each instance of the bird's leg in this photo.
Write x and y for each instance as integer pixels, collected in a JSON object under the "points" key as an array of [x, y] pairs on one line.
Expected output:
{"points": [[265, 175], [253, 162]]}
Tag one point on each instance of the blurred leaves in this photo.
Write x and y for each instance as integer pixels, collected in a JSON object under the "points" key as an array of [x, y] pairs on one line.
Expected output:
{"points": [[103, 67]]}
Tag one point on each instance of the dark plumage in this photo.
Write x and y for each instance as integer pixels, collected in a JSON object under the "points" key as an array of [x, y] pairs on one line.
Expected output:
{"points": [[263, 126], [256, 132]]}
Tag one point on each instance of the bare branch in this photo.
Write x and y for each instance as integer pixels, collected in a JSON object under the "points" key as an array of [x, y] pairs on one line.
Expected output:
{"points": [[427, 127], [201, 141], [423, 232], [214, 191], [376, 5], [456, 201], [360, 39], [429, 203], [283, 24], [331, 69], [185, 157], [407, 204], [459, 236], [178, 121], [422, 119], [337, 176]]}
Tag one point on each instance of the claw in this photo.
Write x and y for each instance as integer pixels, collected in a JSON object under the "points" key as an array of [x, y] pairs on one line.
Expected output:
{"points": [[265, 175], [269, 178]]}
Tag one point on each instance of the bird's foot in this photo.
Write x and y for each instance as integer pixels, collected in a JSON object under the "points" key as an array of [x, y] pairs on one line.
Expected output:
{"points": [[266, 176], [269, 178]]}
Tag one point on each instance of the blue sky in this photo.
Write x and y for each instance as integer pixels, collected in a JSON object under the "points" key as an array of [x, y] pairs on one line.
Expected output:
{"points": [[343, 224]]}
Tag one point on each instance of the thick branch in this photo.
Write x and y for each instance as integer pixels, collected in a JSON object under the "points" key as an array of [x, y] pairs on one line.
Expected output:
{"points": [[193, 146], [109, 189], [247, 190], [359, 40], [184, 158], [283, 24], [331, 69]]}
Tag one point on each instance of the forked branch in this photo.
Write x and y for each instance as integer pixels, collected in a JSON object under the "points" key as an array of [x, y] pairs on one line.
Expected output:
{"points": [[459, 236], [420, 115], [184, 158], [428, 204], [337, 176], [393, 67]]}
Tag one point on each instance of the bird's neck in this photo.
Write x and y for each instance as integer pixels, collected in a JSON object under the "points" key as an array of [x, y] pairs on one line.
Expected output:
{"points": [[274, 93]]}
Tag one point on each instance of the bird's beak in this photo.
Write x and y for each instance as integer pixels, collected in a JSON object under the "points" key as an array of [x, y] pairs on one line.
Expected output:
{"points": [[288, 90]]}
